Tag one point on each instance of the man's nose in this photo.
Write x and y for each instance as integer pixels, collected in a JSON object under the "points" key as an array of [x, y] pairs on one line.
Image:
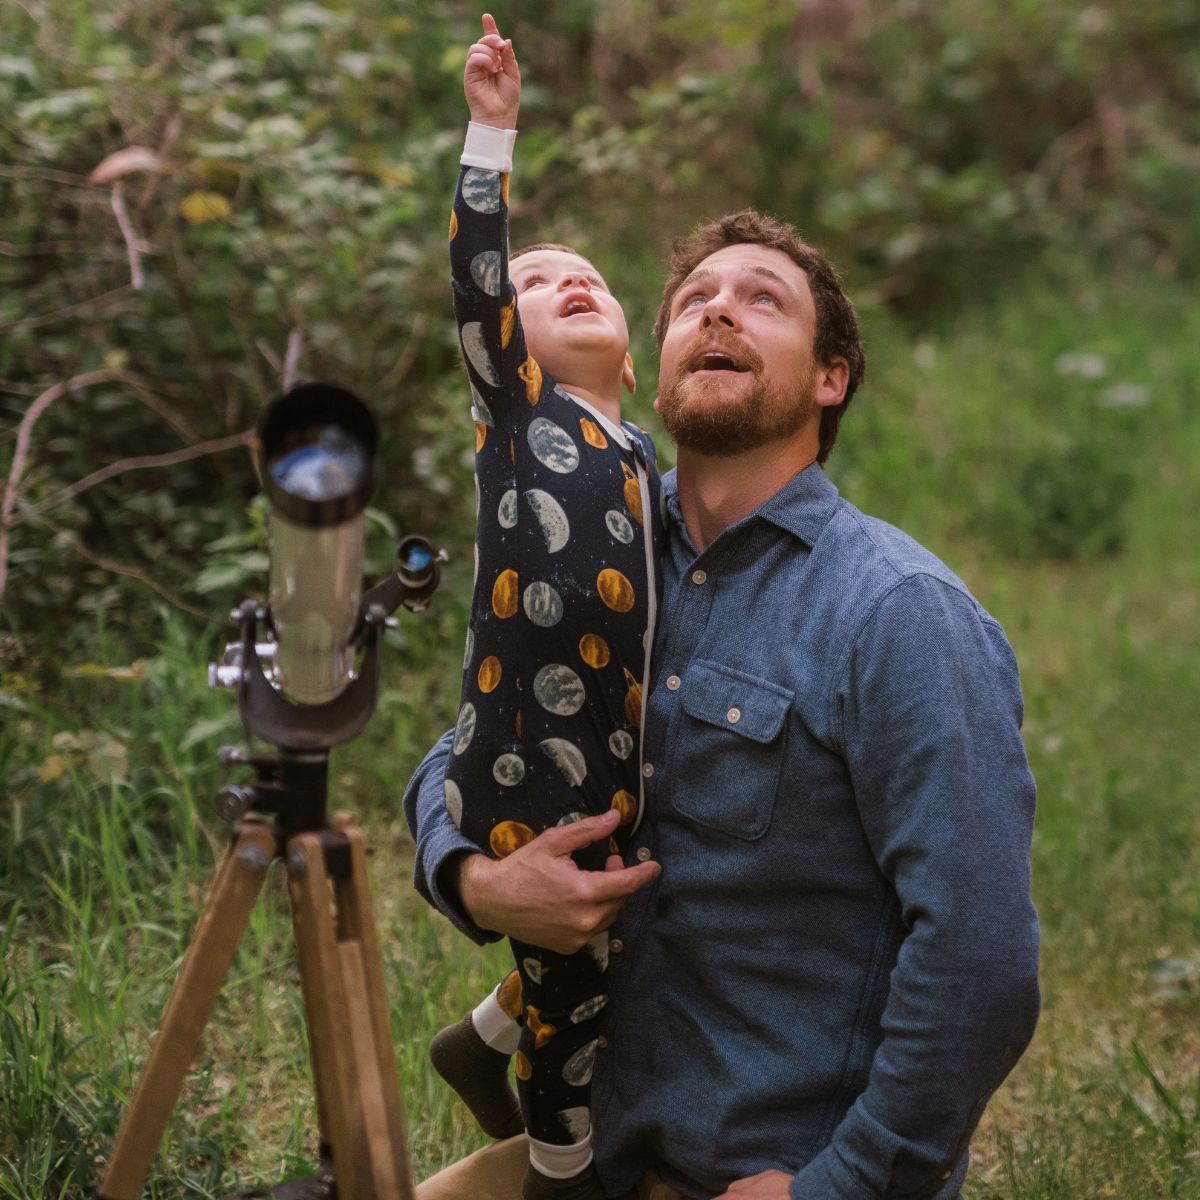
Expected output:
{"points": [[718, 311]]}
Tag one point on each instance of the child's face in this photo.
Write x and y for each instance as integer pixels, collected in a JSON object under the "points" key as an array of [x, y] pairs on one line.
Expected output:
{"points": [[573, 325]]}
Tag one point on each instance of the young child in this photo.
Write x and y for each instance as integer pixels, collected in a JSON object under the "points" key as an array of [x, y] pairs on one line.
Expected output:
{"points": [[562, 620]]}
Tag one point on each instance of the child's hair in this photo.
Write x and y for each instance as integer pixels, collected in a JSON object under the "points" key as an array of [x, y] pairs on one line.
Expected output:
{"points": [[546, 246]]}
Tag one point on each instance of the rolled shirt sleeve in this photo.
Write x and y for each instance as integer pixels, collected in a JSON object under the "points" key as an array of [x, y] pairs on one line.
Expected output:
{"points": [[929, 708]]}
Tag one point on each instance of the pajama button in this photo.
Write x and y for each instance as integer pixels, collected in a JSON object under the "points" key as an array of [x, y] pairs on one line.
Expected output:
{"points": [[602, 1042], [647, 769], [673, 683], [643, 854], [698, 577], [616, 946]]}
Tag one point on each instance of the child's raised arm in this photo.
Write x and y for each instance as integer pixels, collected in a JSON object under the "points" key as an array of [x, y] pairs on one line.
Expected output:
{"points": [[492, 79]]}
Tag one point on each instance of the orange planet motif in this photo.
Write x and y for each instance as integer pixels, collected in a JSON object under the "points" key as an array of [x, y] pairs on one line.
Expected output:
{"points": [[628, 473], [633, 701], [520, 727], [594, 651], [508, 995], [523, 1066], [592, 434], [453, 225], [504, 594], [633, 499], [543, 1031], [508, 321], [614, 847], [626, 805], [532, 374], [615, 590], [512, 449], [480, 435], [509, 836], [489, 674], [504, 188]]}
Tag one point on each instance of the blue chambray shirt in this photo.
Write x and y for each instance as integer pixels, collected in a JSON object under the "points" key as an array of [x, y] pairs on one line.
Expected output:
{"points": [[838, 964]]}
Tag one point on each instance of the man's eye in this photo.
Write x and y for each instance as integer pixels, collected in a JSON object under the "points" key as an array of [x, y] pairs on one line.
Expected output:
{"points": [[693, 301], [767, 298]]}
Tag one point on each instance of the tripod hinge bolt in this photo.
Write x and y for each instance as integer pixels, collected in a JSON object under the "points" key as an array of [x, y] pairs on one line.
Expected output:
{"points": [[254, 857], [233, 800]]}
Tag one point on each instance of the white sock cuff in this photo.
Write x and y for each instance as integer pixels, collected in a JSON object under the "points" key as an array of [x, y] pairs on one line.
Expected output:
{"points": [[495, 1026], [560, 1162]]}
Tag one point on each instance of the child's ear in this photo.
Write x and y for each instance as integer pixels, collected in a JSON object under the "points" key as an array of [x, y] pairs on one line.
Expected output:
{"points": [[627, 377], [656, 405]]}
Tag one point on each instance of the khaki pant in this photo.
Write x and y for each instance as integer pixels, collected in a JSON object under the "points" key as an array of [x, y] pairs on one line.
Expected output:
{"points": [[496, 1171]]}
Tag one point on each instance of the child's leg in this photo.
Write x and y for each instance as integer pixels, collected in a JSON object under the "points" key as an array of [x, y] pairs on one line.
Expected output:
{"points": [[564, 996], [472, 1057]]}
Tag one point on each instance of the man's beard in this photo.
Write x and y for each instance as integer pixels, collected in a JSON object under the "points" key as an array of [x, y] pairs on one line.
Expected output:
{"points": [[699, 419]]}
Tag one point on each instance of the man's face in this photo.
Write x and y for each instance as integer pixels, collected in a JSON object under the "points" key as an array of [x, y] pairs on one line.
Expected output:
{"points": [[736, 366], [567, 312]]}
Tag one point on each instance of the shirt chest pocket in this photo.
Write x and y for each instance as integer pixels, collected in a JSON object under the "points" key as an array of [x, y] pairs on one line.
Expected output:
{"points": [[729, 749]]}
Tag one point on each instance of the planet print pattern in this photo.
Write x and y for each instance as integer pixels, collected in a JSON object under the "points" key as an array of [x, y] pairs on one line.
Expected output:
{"points": [[550, 703]]}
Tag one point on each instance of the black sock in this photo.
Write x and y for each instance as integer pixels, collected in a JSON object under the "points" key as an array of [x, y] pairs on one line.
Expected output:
{"points": [[479, 1075]]}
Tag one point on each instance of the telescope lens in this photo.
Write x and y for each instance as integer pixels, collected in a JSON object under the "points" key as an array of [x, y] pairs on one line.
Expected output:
{"points": [[329, 466]]}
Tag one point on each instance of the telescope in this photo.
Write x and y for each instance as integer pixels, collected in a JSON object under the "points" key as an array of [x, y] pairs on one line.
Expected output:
{"points": [[306, 671]]}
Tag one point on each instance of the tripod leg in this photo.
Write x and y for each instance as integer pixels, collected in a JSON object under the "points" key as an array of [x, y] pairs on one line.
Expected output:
{"points": [[373, 1034], [349, 1030], [205, 967]]}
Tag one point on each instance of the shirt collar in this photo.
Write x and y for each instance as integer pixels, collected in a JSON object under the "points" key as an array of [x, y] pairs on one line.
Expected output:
{"points": [[802, 506]]}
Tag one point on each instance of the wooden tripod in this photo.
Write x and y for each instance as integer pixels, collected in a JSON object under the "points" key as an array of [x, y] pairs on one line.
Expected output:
{"points": [[359, 1109]]}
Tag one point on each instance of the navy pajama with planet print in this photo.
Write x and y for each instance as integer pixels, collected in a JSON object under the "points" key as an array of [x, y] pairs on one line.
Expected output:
{"points": [[549, 724]]}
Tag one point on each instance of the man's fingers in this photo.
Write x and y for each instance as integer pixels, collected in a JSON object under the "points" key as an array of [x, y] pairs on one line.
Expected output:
{"points": [[605, 886], [566, 839]]}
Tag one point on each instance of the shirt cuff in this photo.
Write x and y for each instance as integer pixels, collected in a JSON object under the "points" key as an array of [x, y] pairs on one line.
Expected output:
{"points": [[489, 147]]}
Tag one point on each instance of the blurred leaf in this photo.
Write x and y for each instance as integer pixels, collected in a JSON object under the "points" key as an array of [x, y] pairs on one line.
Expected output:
{"points": [[199, 208]]}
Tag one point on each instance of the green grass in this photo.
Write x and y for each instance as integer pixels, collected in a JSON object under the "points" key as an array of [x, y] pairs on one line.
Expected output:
{"points": [[108, 844]]}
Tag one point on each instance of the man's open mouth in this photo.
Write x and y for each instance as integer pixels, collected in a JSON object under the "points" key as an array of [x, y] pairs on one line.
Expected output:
{"points": [[715, 360]]}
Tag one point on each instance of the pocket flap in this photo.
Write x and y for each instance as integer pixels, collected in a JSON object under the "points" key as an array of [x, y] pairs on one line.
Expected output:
{"points": [[735, 701]]}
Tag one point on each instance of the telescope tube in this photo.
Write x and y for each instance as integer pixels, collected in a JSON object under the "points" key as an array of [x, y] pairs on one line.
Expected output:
{"points": [[318, 445]]}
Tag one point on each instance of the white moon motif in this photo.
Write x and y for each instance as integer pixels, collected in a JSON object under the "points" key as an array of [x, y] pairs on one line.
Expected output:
{"points": [[479, 409], [576, 1121], [621, 743], [571, 818], [559, 690], [577, 1070], [619, 526], [588, 1009], [481, 190], [567, 757], [543, 605], [476, 353], [453, 801], [508, 770], [464, 729], [485, 270], [598, 949], [551, 444], [506, 514], [556, 529], [470, 647], [533, 968]]}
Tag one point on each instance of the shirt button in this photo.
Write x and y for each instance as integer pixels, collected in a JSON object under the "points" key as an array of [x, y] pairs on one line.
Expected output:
{"points": [[734, 715], [602, 1042], [643, 854], [647, 769], [673, 683], [616, 946], [698, 577]]}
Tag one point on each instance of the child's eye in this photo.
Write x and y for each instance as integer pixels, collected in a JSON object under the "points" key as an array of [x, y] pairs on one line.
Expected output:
{"points": [[530, 280]]}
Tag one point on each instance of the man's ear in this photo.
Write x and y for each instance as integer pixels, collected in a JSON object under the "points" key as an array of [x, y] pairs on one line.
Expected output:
{"points": [[657, 399], [627, 377], [832, 381]]}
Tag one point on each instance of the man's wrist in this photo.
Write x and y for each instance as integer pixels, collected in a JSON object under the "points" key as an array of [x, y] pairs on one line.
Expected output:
{"points": [[464, 873]]}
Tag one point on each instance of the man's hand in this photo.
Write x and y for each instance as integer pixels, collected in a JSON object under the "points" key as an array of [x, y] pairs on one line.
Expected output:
{"points": [[769, 1185], [538, 895], [492, 79]]}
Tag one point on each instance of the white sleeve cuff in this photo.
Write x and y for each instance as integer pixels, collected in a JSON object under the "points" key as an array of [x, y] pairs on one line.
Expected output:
{"points": [[487, 146]]}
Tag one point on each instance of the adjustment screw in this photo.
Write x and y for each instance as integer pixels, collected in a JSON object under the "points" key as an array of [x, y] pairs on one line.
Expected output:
{"points": [[253, 857], [232, 801]]}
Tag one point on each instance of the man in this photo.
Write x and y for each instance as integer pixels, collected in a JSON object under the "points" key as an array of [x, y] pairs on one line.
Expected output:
{"points": [[837, 964]]}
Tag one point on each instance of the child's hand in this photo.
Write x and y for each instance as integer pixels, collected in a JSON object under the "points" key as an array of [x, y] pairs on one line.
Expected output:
{"points": [[492, 79]]}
